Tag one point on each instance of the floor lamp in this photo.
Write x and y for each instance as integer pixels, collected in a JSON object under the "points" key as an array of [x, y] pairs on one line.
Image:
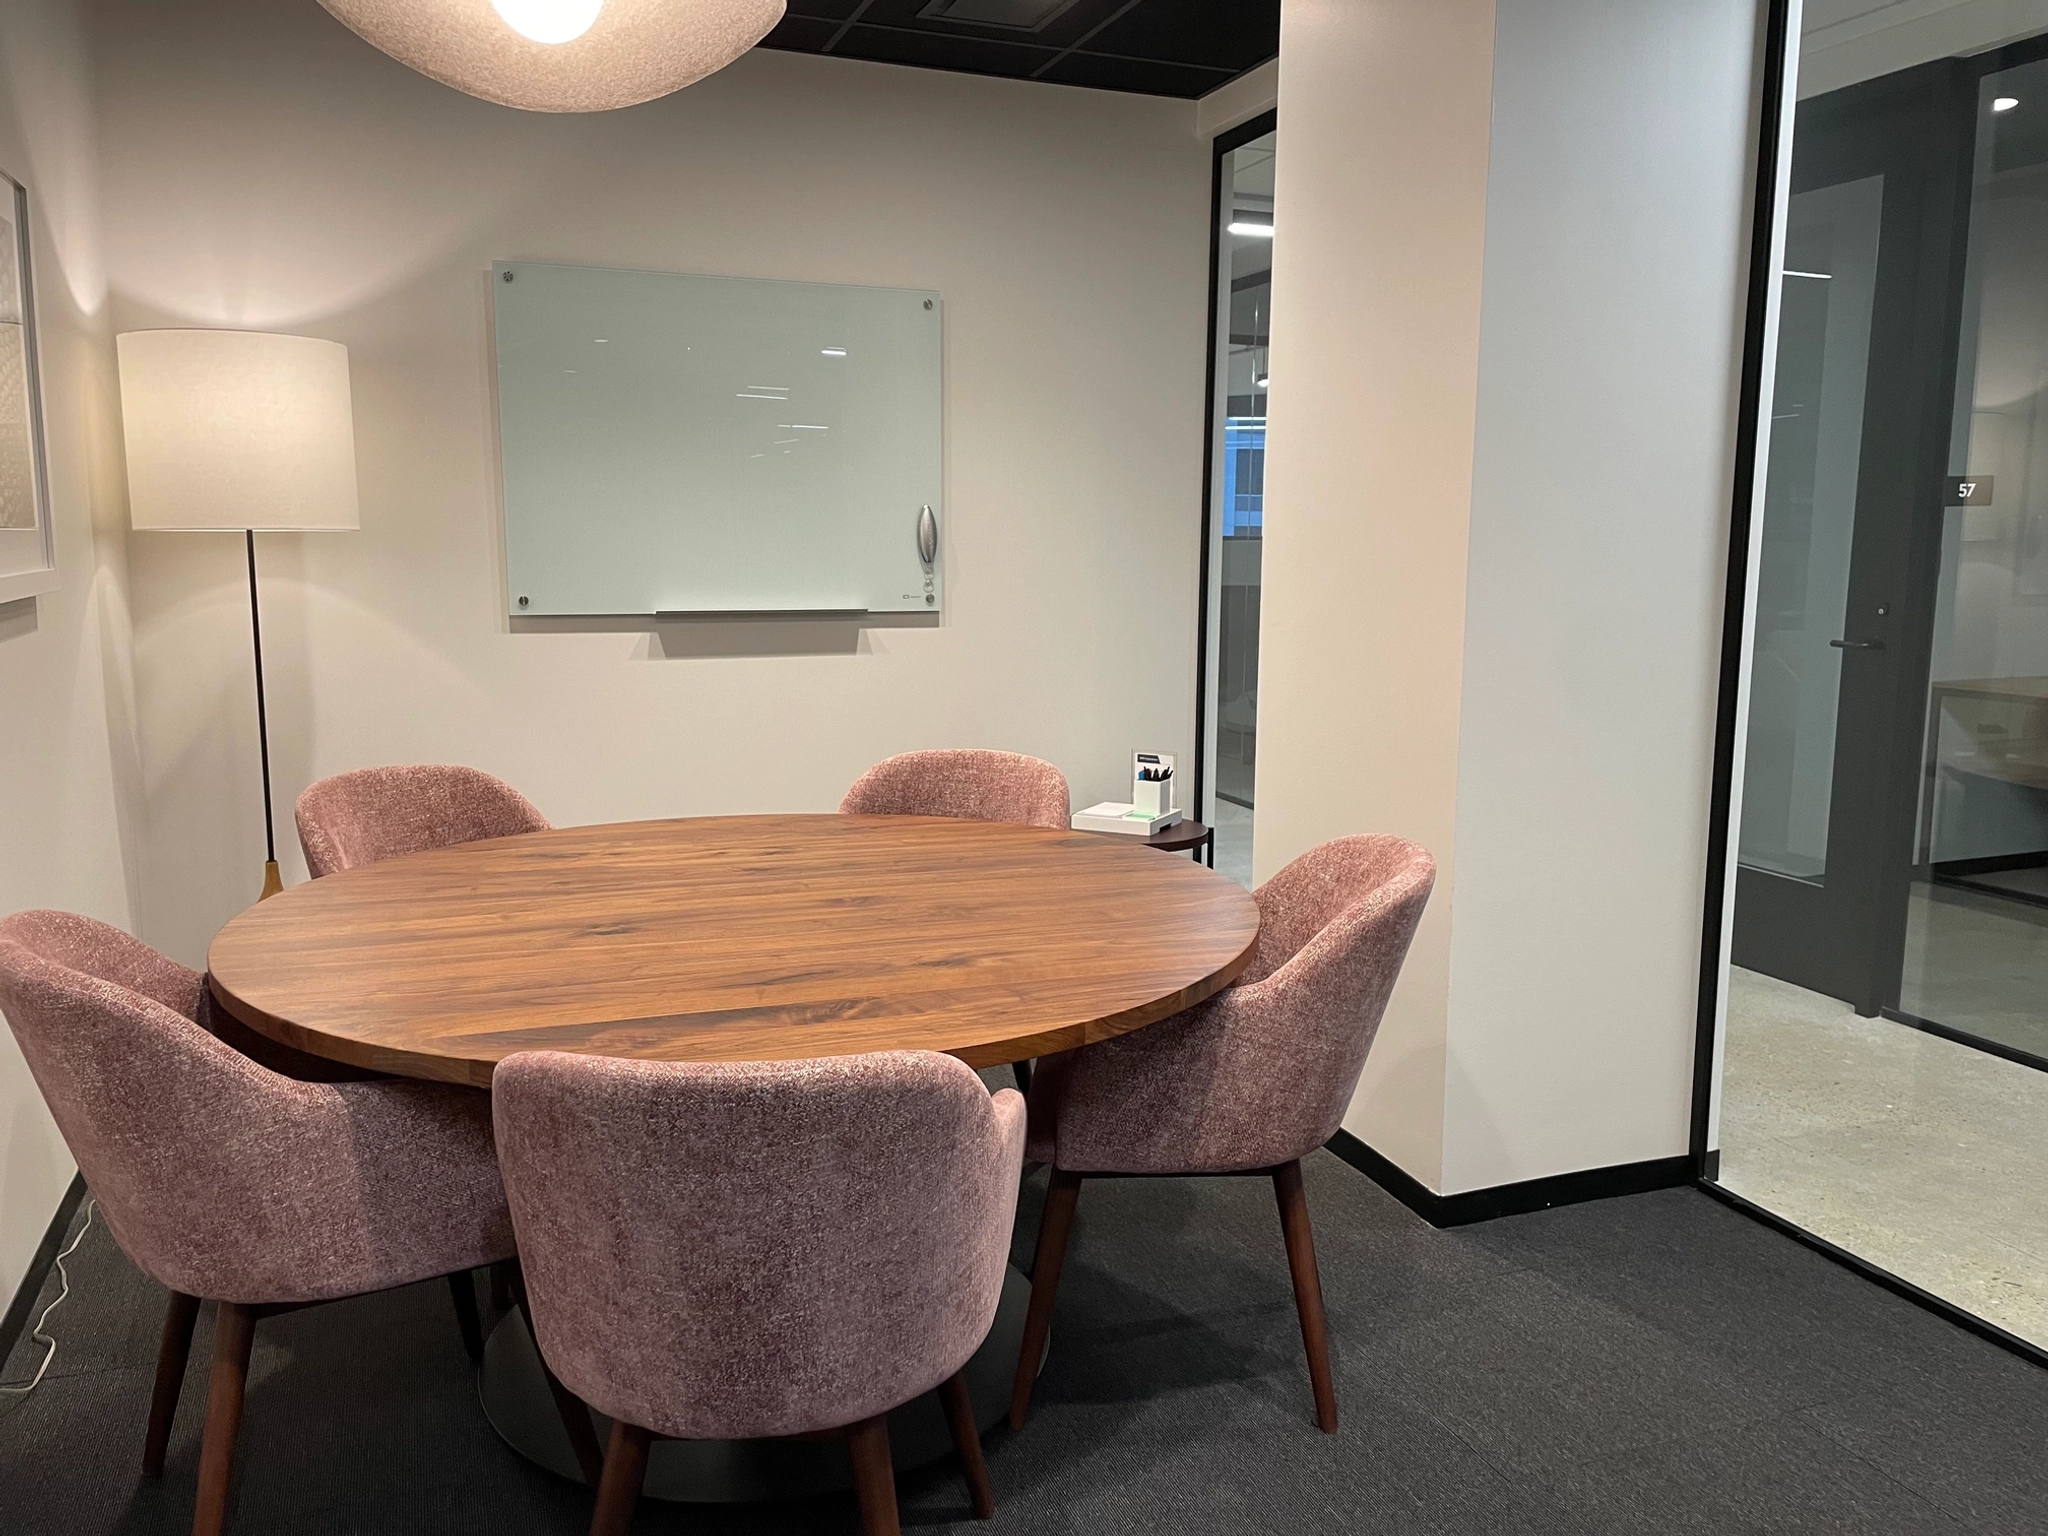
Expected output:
{"points": [[243, 432]]}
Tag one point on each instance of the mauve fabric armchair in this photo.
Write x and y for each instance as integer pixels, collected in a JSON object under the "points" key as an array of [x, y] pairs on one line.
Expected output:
{"points": [[753, 1249], [974, 785], [373, 814], [1250, 1081], [226, 1181]]}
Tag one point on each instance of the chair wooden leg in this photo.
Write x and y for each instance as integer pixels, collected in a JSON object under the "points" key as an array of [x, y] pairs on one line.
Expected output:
{"points": [[462, 1288], [967, 1441], [1308, 1288], [575, 1413], [171, 1356], [618, 1490], [874, 1476], [234, 1333], [1054, 1227]]}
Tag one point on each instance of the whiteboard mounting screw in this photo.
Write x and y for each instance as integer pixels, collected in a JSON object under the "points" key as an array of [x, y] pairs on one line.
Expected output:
{"points": [[508, 277], [522, 602], [927, 302]]}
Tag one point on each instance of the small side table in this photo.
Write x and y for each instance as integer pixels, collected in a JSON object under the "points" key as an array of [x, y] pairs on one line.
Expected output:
{"points": [[1189, 837]]}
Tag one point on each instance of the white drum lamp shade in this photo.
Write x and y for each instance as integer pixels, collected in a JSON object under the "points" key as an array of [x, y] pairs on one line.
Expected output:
{"points": [[562, 55], [237, 430]]}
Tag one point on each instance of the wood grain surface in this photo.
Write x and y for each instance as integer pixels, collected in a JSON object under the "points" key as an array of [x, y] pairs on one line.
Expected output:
{"points": [[735, 938]]}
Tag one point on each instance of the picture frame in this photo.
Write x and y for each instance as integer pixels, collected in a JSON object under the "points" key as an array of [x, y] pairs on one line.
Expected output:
{"points": [[28, 544]]}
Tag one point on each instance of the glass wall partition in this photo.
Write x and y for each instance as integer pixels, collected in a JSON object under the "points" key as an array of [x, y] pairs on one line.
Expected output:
{"points": [[1884, 1084], [1237, 476]]}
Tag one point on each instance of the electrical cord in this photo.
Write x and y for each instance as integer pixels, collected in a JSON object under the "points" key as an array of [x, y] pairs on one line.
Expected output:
{"points": [[36, 1335]]}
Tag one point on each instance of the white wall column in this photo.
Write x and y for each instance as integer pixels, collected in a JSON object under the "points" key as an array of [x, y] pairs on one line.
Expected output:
{"points": [[1508, 291]]}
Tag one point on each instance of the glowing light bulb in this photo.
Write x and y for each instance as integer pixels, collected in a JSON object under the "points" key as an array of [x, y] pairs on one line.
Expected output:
{"points": [[2005, 103], [549, 21]]}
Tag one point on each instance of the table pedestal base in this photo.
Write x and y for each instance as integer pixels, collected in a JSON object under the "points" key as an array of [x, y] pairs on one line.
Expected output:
{"points": [[516, 1401]]}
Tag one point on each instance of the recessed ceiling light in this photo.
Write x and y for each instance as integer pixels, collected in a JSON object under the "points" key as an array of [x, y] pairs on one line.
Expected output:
{"points": [[2004, 103], [834, 351], [1255, 231], [1259, 382], [1022, 15]]}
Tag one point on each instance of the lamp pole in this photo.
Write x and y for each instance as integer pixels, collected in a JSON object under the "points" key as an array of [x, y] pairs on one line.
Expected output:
{"points": [[272, 881]]}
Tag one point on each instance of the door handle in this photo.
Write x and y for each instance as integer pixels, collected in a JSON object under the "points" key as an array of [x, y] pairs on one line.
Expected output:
{"points": [[1857, 645]]}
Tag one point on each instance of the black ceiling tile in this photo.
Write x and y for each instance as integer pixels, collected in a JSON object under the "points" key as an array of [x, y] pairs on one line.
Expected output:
{"points": [[1139, 75], [973, 55], [800, 34], [829, 10], [1228, 34], [1062, 31]]}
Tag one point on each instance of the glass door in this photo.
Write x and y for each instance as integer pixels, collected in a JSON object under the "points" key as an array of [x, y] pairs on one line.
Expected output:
{"points": [[1852, 520], [1236, 510], [1883, 1043], [1976, 948]]}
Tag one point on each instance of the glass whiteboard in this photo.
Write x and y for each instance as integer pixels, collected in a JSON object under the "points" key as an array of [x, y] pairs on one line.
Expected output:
{"points": [[684, 444]]}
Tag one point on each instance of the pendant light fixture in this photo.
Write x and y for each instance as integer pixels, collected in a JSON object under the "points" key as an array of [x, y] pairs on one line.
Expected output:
{"points": [[562, 55]]}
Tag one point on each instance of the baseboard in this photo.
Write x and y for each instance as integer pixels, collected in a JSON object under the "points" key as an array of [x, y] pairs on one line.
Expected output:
{"points": [[1510, 1199], [25, 1294]]}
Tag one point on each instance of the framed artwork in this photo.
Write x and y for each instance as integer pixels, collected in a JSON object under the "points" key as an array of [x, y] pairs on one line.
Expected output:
{"points": [[28, 549]]}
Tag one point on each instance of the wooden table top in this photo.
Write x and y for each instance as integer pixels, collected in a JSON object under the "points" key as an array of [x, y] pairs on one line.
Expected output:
{"points": [[735, 938]]}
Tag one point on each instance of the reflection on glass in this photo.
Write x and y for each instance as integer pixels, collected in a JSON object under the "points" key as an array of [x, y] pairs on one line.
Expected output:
{"points": [[18, 499], [1809, 524], [1237, 521], [1977, 941], [1894, 1101]]}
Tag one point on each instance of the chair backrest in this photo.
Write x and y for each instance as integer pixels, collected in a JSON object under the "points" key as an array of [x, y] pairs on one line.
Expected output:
{"points": [[973, 784], [163, 1119], [731, 1250], [1334, 928], [373, 814], [1261, 1073]]}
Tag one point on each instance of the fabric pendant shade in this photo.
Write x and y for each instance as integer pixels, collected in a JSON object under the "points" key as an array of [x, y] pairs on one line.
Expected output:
{"points": [[562, 55], [235, 430]]}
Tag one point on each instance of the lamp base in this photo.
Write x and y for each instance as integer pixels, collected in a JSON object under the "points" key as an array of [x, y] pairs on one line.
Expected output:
{"points": [[273, 882]]}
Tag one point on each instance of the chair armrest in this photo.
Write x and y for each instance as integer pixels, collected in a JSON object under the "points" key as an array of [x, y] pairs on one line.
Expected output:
{"points": [[1184, 1095]]}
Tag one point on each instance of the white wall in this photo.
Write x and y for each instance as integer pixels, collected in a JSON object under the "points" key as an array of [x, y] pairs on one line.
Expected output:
{"points": [[67, 755], [1507, 304], [1379, 209], [265, 168], [1618, 208]]}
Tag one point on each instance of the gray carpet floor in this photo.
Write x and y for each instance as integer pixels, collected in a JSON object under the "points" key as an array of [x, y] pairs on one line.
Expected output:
{"points": [[1653, 1364]]}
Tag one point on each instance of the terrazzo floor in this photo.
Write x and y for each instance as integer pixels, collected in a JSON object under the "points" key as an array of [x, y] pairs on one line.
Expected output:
{"points": [[1925, 1157]]}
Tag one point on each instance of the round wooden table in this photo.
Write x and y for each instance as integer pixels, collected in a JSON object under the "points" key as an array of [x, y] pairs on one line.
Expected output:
{"points": [[735, 938]]}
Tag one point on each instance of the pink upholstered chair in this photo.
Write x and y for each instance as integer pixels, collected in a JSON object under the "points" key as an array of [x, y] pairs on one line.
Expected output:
{"points": [[973, 785], [224, 1180], [755, 1249], [374, 814], [1250, 1081]]}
